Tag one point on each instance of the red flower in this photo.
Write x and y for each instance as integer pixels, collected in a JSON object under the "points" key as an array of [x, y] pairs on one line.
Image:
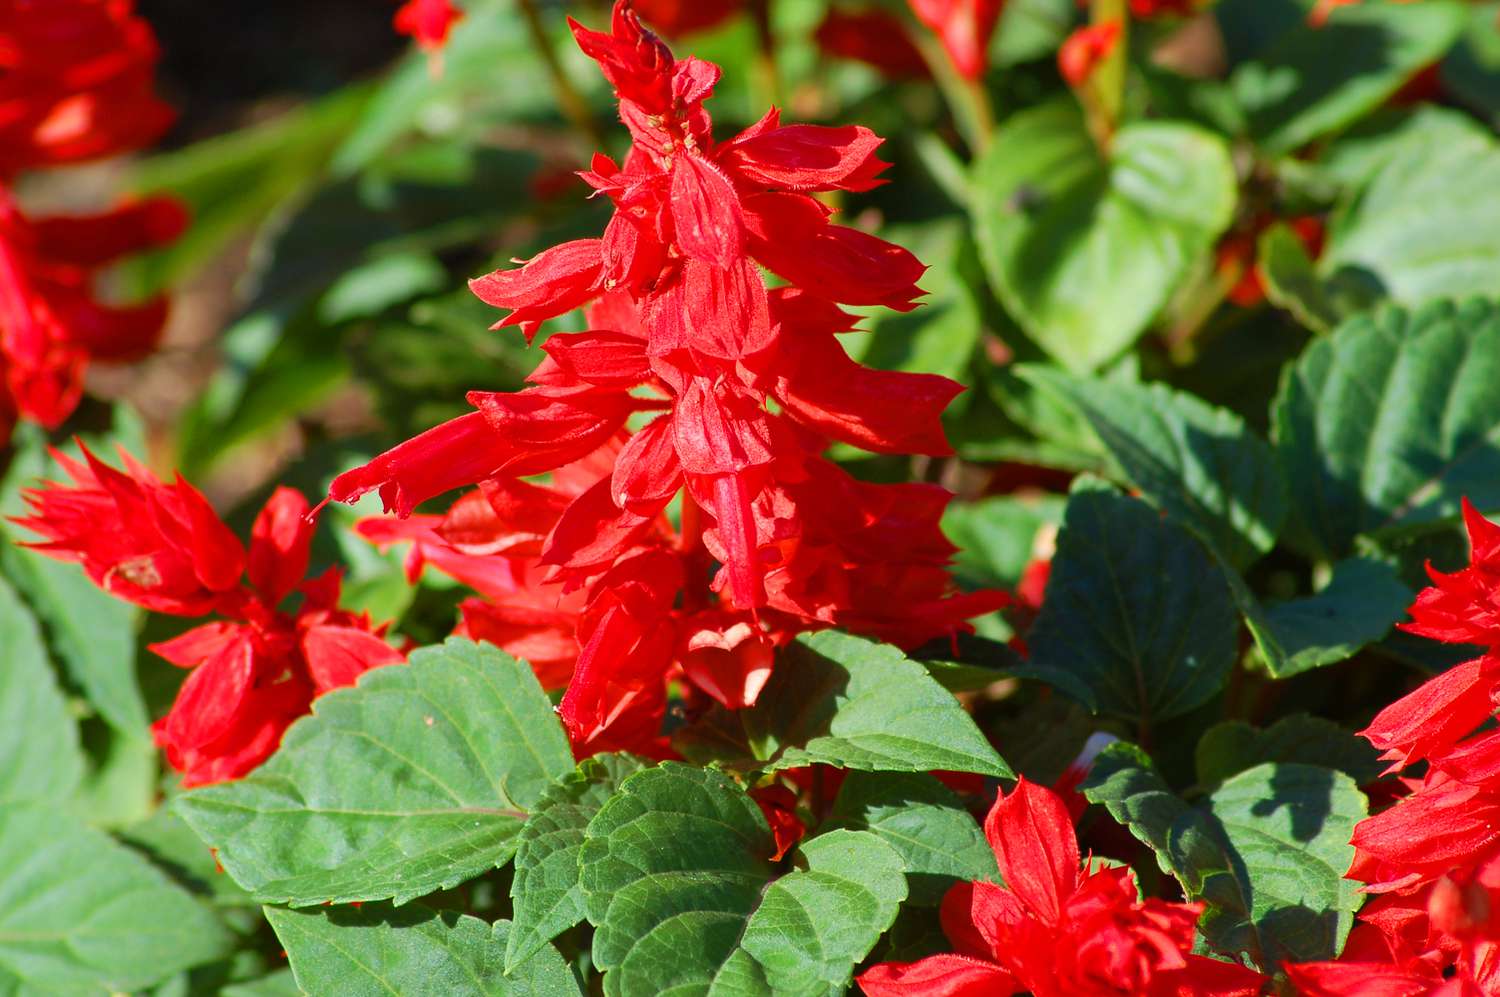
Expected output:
{"points": [[1083, 51], [1055, 931], [427, 22], [1148, 9], [873, 37], [965, 28], [681, 17], [255, 670], [1464, 607], [745, 387]]}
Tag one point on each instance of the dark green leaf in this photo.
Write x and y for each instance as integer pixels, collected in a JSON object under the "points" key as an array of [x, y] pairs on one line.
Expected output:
{"points": [[414, 780], [380, 950], [939, 841], [81, 913], [1384, 425], [1134, 609], [1231, 747], [548, 898], [1358, 606], [1294, 93], [853, 703], [39, 755], [1085, 254], [1201, 464]]}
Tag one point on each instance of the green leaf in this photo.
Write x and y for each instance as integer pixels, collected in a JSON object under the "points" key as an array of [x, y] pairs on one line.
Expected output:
{"points": [[996, 536], [854, 703], [547, 895], [1358, 606], [1277, 889], [1134, 609], [278, 984], [79, 912], [680, 892], [1201, 464], [171, 845], [416, 779], [40, 759], [1292, 281], [1229, 748], [1294, 93], [380, 950], [1424, 227], [1267, 852], [1356, 156], [939, 841], [1384, 425], [1083, 253]]}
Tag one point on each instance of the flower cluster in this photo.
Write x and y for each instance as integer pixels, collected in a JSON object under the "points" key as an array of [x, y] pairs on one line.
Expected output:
{"points": [[665, 405], [162, 547], [1433, 859], [1057, 928], [75, 85]]}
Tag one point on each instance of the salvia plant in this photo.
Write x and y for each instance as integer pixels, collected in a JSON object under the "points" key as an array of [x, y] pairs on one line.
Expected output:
{"points": [[1010, 507]]}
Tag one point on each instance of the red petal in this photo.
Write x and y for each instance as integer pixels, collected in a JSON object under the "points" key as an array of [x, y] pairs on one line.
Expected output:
{"points": [[647, 473], [280, 542], [458, 452], [603, 359], [706, 212], [192, 648], [208, 701], [938, 976], [336, 656], [1035, 848], [551, 283], [808, 157]]}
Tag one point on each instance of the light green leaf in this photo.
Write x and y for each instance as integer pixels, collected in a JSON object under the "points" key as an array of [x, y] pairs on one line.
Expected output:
{"points": [[1201, 464], [1267, 852], [1292, 281], [854, 703], [939, 841], [1294, 93], [1135, 610], [278, 984], [1229, 748], [416, 779], [40, 759], [81, 913], [1358, 606], [546, 892], [1085, 254], [680, 892], [996, 536], [379, 950], [1424, 227], [1384, 425]]}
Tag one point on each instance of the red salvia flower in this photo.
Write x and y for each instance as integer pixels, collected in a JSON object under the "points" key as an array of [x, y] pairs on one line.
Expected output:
{"points": [[1054, 930], [1083, 51], [683, 334], [75, 85], [258, 667], [427, 22], [965, 28], [873, 37], [1149, 9]]}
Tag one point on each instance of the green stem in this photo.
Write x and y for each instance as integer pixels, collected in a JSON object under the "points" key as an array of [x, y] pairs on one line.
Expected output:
{"points": [[765, 52], [1107, 83], [574, 107], [967, 99]]}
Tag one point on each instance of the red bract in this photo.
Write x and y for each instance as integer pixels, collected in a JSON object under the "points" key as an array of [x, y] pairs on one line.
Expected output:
{"points": [[735, 391], [75, 85], [255, 670], [1083, 51], [873, 37], [965, 28], [427, 22], [1055, 930]]}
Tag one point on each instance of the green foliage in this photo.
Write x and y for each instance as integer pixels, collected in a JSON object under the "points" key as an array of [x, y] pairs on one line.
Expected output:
{"points": [[1266, 851], [1085, 253], [379, 949], [83, 914], [39, 755], [852, 703], [1159, 636], [418, 778], [678, 885]]}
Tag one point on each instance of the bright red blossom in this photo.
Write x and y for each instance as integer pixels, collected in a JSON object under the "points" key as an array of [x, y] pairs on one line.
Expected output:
{"points": [[427, 22], [669, 395], [873, 37], [1083, 51], [965, 28], [258, 667], [75, 85], [1055, 930]]}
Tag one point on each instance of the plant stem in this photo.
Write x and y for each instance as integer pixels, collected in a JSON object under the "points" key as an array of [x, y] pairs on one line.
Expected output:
{"points": [[574, 107], [967, 99], [765, 52], [1107, 82]]}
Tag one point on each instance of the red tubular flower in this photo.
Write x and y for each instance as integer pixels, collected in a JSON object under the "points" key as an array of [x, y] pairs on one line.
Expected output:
{"points": [[873, 37], [965, 28], [75, 85], [1083, 51], [748, 386], [427, 22], [163, 547], [1055, 931], [1464, 607]]}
